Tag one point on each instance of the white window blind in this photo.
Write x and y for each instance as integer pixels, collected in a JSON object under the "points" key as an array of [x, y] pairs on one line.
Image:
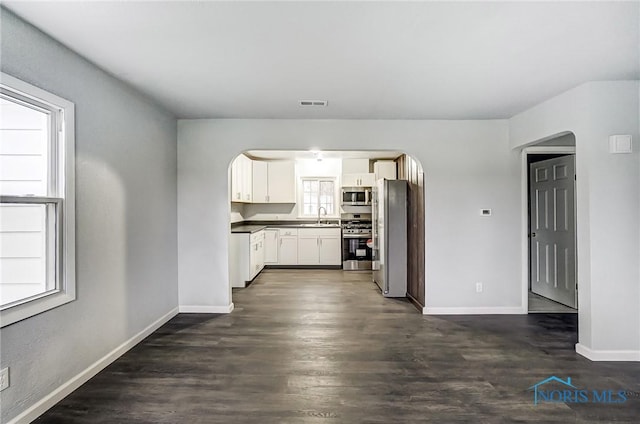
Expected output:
{"points": [[37, 252]]}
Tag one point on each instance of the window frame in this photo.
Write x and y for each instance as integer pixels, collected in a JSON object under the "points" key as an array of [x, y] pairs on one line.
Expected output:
{"points": [[60, 198], [336, 203]]}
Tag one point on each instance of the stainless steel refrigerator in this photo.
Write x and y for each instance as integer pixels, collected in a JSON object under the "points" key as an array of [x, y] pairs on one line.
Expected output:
{"points": [[389, 255]]}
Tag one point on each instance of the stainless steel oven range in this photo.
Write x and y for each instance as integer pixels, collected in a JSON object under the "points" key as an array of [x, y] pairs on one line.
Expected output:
{"points": [[357, 241]]}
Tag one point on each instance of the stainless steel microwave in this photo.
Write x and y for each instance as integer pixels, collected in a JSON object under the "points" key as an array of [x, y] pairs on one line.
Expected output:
{"points": [[356, 196]]}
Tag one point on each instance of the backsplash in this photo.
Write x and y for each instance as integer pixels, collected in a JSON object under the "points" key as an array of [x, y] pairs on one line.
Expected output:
{"points": [[237, 212]]}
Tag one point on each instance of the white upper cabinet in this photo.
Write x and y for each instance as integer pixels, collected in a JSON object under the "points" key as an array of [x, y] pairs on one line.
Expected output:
{"points": [[355, 173], [247, 170], [274, 182], [355, 166], [241, 179], [385, 169], [281, 179], [260, 186], [358, 180]]}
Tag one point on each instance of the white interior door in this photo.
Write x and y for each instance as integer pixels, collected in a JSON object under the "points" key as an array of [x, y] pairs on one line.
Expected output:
{"points": [[552, 224]]}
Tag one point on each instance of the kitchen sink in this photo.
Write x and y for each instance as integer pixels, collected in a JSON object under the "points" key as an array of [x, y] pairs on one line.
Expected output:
{"points": [[320, 225]]}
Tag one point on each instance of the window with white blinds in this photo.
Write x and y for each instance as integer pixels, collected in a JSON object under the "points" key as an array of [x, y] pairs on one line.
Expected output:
{"points": [[36, 193]]}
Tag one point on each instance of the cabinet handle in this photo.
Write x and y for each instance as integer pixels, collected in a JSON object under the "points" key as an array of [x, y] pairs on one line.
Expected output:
{"points": [[238, 196], [266, 198]]}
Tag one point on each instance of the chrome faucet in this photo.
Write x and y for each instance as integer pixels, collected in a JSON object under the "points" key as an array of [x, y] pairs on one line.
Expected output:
{"points": [[325, 213]]}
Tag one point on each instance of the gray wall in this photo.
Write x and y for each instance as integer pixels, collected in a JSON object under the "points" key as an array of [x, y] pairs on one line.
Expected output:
{"points": [[468, 166], [125, 219], [608, 207]]}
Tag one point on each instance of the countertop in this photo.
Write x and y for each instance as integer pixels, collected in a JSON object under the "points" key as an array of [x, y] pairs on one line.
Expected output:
{"points": [[253, 227], [248, 228]]}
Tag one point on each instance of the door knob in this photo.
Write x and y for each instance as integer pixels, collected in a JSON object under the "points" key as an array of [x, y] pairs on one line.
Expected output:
{"points": [[533, 234]]}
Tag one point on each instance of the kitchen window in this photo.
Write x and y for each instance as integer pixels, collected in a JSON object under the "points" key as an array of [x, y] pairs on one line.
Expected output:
{"points": [[37, 209], [317, 193]]}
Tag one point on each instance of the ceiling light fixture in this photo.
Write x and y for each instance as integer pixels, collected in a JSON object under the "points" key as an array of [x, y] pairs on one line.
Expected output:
{"points": [[316, 154]]}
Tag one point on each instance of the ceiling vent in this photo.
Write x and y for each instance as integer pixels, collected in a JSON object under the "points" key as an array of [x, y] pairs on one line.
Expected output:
{"points": [[313, 102]]}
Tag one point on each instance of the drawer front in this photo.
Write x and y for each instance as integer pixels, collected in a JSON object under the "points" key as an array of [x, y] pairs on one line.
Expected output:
{"points": [[288, 232], [257, 236], [325, 232]]}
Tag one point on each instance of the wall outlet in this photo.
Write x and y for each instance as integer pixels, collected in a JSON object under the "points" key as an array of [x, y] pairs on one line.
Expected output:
{"points": [[478, 287], [4, 378]]}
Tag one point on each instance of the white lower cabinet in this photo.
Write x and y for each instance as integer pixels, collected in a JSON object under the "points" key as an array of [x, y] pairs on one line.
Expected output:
{"points": [[246, 257], [256, 255], [331, 249], [319, 246], [308, 248], [288, 246], [271, 244], [249, 253]]}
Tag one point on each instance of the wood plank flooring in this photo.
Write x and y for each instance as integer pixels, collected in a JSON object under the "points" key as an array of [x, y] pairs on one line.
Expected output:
{"points": [[323, 346], [538, 304]]}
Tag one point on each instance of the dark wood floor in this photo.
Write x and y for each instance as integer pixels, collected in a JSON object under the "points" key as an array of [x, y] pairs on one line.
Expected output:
{"points": [[325, 346]]}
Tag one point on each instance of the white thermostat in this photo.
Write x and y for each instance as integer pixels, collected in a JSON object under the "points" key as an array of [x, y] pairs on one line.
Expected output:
{"points": [[620, 144], [485, 212]]}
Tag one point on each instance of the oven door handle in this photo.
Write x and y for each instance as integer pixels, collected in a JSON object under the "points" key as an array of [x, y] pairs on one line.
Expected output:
{"points": [[356, 236]]}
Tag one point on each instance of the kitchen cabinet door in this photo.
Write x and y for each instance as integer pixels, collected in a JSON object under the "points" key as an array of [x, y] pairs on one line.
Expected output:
{"points": [[247, 179], [260, 192], [350, 180], [236, 184], [260, 264], [330, 250], [253, 261], [271, 245], [241, 179], [358, 180], [308, 249], [282, 182], [384, 169], [355, 166], [367, 180], [288, 250]]}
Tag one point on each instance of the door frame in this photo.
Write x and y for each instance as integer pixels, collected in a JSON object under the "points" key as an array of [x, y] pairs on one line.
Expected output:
{"points": [[525, 259]]}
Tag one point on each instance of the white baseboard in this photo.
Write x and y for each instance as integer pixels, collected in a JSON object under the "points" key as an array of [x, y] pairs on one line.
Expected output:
{"points": [[65, 389], [475, 310], [608, 355], [205, 309]]}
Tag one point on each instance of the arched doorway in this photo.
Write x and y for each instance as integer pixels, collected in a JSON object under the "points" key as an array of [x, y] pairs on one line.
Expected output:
{"points": [[252, 203]]}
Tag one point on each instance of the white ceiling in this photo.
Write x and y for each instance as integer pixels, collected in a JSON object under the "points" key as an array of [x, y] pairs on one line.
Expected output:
{"points": [[370, 60]]}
